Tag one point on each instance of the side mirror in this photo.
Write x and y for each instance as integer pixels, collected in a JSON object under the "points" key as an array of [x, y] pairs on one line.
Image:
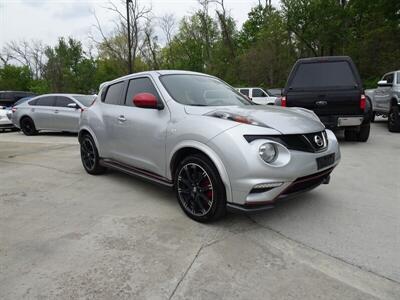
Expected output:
{"points": [[73, 105], [146, 100], [383, 83]]}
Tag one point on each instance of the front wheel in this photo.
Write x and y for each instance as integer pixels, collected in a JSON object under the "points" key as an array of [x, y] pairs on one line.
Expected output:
{"points": [[199, 189], [394, 119], [90, 156]]}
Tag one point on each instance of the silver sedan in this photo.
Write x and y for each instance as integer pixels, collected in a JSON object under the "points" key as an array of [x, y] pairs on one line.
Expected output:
{"points": [[197, 134], [56, 112]]}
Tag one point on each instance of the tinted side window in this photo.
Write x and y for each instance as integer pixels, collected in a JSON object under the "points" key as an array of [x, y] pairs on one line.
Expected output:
{"points": [[245, 92], [63, 101], [398, 77], [325, 74], [258, 93], [140, 85], [46, 101], [389, 78], [114, 92]]}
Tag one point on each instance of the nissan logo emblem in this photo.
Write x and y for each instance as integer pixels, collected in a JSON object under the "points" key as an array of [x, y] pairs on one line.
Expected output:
{"points": [[318, 141]]}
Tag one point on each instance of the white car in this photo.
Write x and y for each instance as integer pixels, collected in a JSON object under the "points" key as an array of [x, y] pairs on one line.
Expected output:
{"points": [[5, 122], [258, 95]]}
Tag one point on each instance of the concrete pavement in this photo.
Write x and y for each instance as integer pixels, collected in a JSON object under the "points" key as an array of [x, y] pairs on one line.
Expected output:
{"points": [[67, 235]]}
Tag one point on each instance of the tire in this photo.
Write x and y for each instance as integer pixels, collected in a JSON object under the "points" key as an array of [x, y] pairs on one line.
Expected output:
{"points": [[28, 126], [350, 135], [373, 116], [363, 134], [199, 189], [394, 119], [90, 156]]}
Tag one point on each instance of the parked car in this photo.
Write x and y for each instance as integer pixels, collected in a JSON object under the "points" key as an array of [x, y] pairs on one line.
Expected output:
{"points": [[10, 109], [332, 88], [197, 134], [386, 100], [258, 95], [56, 112], [276, 92], [5, 122], [8, 98]]}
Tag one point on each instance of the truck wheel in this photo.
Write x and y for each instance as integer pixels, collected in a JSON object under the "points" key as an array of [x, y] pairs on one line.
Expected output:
{"points": [[373, 115], [394, 119], [350, 135], [363, 134]]}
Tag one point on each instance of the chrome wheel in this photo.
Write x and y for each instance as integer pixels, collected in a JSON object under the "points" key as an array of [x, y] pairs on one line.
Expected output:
{"points": [[195, 189], [88, 154]]}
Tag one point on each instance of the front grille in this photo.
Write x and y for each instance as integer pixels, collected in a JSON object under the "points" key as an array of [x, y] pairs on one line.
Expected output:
{"points": [[298, 142], [307, 182]]}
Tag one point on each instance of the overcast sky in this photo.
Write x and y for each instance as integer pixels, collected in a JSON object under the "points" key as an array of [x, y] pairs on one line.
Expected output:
{"points": [[47, 20]]}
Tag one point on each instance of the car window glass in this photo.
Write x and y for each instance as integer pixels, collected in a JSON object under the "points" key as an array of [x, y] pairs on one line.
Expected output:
{"points": [[63, 101], [323, 74], [140, 85], [113, 95], [258, 93], [389, 78], [46, 101], [398, 77], [245, 92]]}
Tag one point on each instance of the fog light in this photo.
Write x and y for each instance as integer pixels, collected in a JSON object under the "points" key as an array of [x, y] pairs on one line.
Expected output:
{"points": [[267, 152], [265, 187]]}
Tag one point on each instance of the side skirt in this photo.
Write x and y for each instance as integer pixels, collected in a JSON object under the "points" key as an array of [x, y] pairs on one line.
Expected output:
{"points": [[109, 163]]}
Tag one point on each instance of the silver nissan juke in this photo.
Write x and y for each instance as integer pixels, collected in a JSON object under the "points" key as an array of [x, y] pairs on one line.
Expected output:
{"points": [[197, 134]]}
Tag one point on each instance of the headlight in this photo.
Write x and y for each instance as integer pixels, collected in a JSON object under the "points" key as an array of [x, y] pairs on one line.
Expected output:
{"points": [[268, 152]]}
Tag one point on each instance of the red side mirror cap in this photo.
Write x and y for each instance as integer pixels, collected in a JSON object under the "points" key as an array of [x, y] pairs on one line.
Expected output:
{"points": [[145, 100]]}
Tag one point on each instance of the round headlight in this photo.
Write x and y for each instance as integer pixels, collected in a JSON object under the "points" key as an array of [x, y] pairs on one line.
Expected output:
{"points": [[268, 152]]}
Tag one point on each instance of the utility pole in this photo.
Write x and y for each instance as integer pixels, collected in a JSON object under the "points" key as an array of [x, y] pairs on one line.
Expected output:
{"points": [[129, 37]]}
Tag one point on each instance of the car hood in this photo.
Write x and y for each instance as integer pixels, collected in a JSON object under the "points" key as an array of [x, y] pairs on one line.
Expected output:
{"points": [[283, 119]]}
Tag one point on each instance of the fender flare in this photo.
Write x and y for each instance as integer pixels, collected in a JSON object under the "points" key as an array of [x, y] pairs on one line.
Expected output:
{"points": [[212, 155]]}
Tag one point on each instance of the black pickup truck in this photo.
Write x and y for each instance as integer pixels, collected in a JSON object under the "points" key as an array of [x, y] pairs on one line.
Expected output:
{"points": [[332, 88]]}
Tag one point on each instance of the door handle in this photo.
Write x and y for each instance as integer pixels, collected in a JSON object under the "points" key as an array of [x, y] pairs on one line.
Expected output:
{"points": [[121, 118], [56, 111]]}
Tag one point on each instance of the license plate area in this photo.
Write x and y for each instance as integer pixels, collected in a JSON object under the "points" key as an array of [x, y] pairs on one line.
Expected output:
{"points": [[349, 121], [325, 161]]}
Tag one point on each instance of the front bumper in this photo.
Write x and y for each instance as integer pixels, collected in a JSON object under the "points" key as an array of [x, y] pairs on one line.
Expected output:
{"points": [[246, 171], [5, 123]]}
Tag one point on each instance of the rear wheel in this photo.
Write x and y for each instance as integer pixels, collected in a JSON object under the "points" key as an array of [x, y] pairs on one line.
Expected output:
{"points": [[28, 126], [199, 189], [394, 119], [361, 135], [90, 156]]}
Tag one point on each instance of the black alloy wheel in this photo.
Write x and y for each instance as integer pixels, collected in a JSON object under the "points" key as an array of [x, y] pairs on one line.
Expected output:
{"points": [[199, 189], [90, 156], [394, 119], [28, 127]]}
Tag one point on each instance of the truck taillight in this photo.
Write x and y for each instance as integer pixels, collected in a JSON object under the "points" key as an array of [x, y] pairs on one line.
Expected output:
{"points": [[363, 102], [283, 101]]}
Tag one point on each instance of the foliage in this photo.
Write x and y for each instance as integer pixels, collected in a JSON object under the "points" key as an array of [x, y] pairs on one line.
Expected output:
{"points": [[261, 53]]}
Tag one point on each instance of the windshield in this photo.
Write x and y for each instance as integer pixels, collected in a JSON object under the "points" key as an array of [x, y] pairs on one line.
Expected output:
{"points": [[198, 90], [326, 74], [85, 100]]}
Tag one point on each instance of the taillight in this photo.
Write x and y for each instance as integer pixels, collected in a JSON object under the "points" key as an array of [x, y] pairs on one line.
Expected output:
{"points": [[283, 101], [363, 102]]}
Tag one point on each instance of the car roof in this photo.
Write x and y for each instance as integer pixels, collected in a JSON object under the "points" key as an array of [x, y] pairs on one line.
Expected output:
{"points": [[153, 73], [324, 59]]}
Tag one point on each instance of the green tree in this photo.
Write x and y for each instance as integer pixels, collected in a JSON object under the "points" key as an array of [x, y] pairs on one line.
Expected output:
{"points": [[15, 78]]}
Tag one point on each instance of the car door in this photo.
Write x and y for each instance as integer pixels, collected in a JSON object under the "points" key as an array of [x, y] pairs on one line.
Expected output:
{"points": [[43, 112], [141, 132], [66, 118], [259, 96], [382, 94], [112, 110]]}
